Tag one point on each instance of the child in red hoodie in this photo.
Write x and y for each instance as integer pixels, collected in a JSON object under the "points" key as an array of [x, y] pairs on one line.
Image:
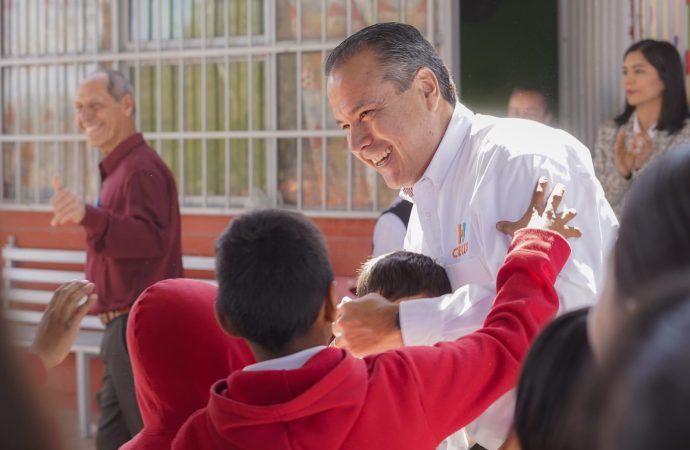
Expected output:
{"points": [[276, 289], [177, 353]]}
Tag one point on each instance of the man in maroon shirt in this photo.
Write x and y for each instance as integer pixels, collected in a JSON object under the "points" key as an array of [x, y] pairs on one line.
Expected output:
{"points": [[132, 235]]}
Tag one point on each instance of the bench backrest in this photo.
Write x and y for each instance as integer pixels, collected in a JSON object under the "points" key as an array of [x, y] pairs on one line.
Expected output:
{"points": [[30, 275]]}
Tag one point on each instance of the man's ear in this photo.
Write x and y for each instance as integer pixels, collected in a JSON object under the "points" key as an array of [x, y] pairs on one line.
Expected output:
{"points": [[224, 323], [331, 303], [127, 104], [426, 81]]}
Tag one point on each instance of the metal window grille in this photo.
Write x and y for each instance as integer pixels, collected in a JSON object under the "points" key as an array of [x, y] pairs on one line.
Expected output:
{"points": [[230, 93]]}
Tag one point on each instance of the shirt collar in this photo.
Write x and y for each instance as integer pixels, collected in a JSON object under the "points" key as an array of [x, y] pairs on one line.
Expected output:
{"points": [[289, 362], [458, 129], [110, 162], [636, 126]]}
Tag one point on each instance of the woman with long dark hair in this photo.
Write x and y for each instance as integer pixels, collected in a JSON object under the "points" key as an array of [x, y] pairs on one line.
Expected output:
{"points": [[655, 117]]}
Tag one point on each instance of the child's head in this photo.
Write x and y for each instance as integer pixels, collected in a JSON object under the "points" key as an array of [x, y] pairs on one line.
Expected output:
{"points": [[550, 377], [274, 279], [401, 275]]}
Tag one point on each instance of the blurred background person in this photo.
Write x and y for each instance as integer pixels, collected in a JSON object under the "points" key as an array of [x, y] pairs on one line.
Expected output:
{"points": [[638, 399], [391, 227], [530, 102], [648, 275], [23, 423], [655, 118]]}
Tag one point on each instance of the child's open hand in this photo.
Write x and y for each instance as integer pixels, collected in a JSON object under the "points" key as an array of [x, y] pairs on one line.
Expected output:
{"points": [[544, 216]]}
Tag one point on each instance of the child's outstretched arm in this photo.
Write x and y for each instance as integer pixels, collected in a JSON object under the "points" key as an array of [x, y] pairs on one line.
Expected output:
{"points": [[458, 380]]}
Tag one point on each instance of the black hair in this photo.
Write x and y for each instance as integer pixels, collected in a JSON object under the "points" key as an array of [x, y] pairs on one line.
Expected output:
{"points": [[402, 51], [273, 276], [550, 375], [403, 274], [653, 238], [666, 60]]}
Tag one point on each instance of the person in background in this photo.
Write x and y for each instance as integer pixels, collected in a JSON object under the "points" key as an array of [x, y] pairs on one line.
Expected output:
{"points": [[132, 235], [655, 118], [530, 102], [391, 227]]}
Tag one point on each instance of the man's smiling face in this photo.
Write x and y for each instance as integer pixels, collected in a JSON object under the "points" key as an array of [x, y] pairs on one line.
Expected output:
{"points": [[100, 116], [386, 129]]}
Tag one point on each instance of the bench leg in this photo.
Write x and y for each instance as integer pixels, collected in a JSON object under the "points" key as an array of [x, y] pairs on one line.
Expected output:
{"points": [[83, 393]]}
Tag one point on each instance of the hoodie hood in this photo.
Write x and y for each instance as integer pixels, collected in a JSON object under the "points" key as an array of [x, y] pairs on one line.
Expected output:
{"points": [[284, 408], [178, 351]]}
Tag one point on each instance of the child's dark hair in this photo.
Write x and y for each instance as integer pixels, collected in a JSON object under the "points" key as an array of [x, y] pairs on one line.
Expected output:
{"points": [[550, 378], [273, 275], [402, 274]]}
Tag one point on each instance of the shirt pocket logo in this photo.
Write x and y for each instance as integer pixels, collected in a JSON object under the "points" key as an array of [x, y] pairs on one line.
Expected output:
{"points": [[463, 246]]}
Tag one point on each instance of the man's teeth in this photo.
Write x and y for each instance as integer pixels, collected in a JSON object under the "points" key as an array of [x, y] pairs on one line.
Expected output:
{"points": [[380, 159]]}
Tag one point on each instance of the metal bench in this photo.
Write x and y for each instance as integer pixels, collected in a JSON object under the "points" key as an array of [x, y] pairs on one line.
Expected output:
{"points": [[30, 276]]}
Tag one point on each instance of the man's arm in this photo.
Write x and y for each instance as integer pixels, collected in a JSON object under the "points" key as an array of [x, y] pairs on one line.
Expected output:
{"points": [[372, 324]]}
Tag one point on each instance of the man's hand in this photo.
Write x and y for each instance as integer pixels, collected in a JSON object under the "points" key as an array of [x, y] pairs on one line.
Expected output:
{"points": [[60, 323], [67, 207], [542, 216], [367, 325]]}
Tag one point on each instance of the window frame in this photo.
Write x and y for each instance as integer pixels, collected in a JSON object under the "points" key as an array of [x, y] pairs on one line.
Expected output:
{"points": [[129, 53]]}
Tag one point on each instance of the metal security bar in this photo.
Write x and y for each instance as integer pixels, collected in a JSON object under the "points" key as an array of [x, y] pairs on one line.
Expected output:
{"points": [[231, 93]]}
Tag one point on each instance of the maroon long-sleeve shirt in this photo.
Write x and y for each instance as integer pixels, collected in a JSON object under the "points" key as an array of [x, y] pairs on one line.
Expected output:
{"points": [[133, 234]]}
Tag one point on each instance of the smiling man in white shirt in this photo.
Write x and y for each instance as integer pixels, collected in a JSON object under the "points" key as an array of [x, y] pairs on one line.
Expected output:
{"points": [[464, 173]]}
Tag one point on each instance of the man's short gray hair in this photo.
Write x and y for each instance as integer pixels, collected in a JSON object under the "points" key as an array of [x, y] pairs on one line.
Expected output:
{"points": [[401, 50], [118, 84]]}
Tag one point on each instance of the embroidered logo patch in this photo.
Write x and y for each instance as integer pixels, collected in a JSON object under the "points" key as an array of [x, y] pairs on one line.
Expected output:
{"points": [[463, 245]]}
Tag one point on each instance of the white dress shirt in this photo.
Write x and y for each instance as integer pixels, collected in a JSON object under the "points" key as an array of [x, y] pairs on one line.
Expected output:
{"points": [[485, 170]]}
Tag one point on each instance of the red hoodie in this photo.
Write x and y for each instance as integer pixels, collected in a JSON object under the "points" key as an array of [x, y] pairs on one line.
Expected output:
{"points": [[178, 351], [411, 398]]}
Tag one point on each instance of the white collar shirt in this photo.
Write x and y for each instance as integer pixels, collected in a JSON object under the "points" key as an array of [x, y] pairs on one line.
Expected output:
{"points": [[637, 128], [485, 170], [288, 362]]}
